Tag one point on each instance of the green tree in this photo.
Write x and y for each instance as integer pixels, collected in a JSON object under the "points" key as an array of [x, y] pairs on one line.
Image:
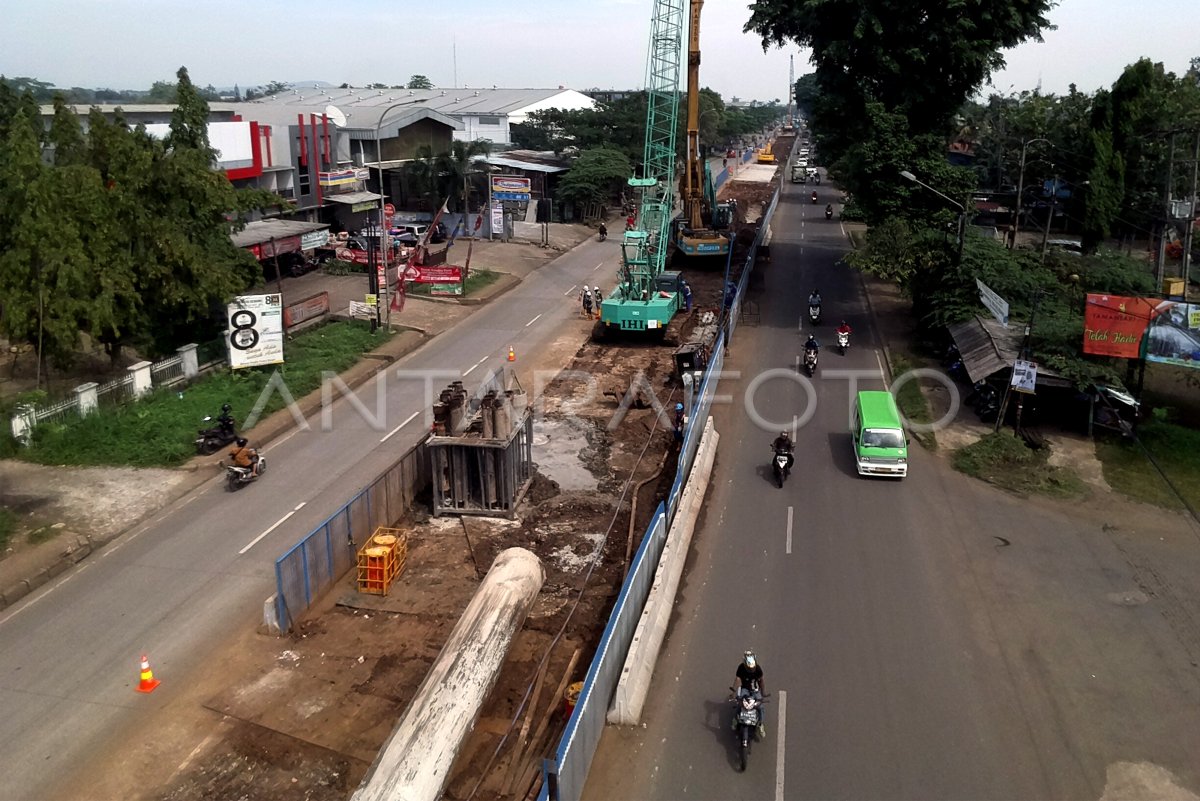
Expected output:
{"points": [[419, 82], [458, 165], [597, 176], [160, 92], [189, 120], [806, 93], [65, 136]]}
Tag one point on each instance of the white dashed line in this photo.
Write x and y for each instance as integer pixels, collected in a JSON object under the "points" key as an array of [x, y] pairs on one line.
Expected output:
{"points": [[789, 530], [277, 524], [882, 372], [408, 420], [779, 749], [476, 364], [569, 291], [534, 320]]}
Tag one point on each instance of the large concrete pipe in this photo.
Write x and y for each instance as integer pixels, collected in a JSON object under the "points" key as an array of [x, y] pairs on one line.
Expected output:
{"points": [[415, 762]]}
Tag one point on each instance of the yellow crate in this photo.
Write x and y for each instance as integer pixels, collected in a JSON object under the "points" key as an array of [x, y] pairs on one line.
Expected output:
{"points": [[1172, 286], [375, 569], [395, 540]]}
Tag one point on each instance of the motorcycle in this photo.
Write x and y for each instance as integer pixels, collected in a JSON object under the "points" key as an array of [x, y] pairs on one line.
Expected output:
{"points": [[814, 198], [782, 465], [810, 362], [747, 715], [987, 409], [828, 213], [603, 234], [843, 342], [237, 477], [814, 314], [212, 439]]}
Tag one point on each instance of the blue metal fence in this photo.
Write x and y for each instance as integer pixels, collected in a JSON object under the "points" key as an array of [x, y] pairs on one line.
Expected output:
{"points": [[328, 551], [573, 756]]}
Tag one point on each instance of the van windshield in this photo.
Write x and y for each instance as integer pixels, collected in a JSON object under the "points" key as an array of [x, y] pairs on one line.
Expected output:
{"points": [[882, 438]]}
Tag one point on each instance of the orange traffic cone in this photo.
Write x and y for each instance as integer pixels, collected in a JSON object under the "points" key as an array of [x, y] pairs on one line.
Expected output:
{"points": [[147, 681], [512, 356]]}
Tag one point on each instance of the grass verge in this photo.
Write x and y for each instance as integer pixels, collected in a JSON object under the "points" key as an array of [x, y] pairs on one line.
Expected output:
{"points": [[1004, 460], [912, 402], [476, 281], [159, 430], [1174, 447]]}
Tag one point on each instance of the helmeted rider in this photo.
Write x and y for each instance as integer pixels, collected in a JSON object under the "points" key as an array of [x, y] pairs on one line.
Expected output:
{"points": [[245, 456], [225, 421], [749, 681], [811, 346], [815, 298], [844, 328], [829, 209], [603, 231], [783, 444]]}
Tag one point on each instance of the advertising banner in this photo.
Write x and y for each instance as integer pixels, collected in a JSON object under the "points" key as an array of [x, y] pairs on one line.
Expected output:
{"points": [[255, 330], [497, 219], [433, 275], [1114, 325], [997, 305], [339, 178], [1174, 334], [314, 239], [1024, 376], [510, 187], [303, 310]]}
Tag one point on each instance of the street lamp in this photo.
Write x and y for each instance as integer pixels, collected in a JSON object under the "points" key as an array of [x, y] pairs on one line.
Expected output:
{"points": [[1021, 188], [385, 234], [962, 210]]}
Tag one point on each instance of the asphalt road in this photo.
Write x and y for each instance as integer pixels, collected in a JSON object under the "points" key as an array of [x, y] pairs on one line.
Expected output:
{"points": [[174, 586], [922, 639]]}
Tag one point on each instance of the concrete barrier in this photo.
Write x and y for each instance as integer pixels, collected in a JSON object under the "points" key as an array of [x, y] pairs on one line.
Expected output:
{"points": [[630, 695]]}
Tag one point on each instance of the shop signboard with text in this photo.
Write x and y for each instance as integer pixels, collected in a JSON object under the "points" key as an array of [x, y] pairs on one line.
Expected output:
{"points": [[338, 178], [443, 274], [510, 187]]}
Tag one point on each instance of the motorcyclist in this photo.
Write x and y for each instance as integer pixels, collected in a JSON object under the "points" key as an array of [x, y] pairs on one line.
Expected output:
{"points": [[783, 444], [814, 196], [245, 456], [844, 328], [815, 298], [225, 421], [749, 681], [828, 209], [811, 346], [603, 231]]}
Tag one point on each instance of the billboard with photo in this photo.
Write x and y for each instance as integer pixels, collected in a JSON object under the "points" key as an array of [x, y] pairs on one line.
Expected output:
{"points": [[1173, 336]]}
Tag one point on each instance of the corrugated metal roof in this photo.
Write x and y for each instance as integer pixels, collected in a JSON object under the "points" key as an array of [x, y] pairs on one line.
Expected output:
{"points": [[986, 348], [363, 107], [260, 231], [352, 197]]}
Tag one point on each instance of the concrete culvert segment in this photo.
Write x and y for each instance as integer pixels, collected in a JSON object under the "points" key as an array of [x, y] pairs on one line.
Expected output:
{"points": [[415, 763]]}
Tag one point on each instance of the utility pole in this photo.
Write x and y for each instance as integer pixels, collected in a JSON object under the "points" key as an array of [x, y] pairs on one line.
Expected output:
{"points": [[1191, 219], [1162, 236], [1050, 216]]}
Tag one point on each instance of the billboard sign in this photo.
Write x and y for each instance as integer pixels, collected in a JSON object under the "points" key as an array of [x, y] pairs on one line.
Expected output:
{"points": [[1114, 325], [510, 187], [1024, 376], [997, 305], [1174, 334], [254, 332], [433, 275]]}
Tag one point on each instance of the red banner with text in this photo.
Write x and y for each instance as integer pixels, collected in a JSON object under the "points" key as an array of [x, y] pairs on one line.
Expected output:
{"points": [[1114, 325]]}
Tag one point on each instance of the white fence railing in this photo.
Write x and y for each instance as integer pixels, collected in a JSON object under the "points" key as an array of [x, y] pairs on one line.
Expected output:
{"points": [[140, 379]]}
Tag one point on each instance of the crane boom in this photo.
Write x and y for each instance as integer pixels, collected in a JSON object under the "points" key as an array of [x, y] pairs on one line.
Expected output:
{"points": [[637, 303], [693, 180]]}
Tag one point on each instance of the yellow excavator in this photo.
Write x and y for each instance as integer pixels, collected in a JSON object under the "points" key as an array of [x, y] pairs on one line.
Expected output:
{"points": [[704, 227]]}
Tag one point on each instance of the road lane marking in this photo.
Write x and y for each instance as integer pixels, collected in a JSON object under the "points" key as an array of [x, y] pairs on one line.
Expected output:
{"points": [[534, 320], [795, 426], [779, 750], [598, 266], [279, 442], [407, 420], [882, 372], [569, 291], [789, 530], [277, 524], [473, 366], [797, 362]]}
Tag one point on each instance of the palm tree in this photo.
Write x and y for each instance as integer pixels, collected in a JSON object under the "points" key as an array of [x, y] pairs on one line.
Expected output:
{"points": [[458, 164], [422, 174]]}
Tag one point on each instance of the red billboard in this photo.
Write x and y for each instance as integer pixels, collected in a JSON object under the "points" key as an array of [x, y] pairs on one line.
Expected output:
{"points": [[1114, 325]]}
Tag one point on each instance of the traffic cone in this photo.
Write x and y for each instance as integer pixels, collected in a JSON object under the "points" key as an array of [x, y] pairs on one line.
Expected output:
{"points": [[512, 356], [147, 682]]}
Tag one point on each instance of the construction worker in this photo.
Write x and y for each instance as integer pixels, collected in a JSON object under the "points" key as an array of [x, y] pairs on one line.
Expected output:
{"points": [[585, 298], [597, 299]]}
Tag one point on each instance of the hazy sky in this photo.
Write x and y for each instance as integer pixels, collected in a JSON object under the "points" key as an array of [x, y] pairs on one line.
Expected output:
{"points": [[126, 44]]}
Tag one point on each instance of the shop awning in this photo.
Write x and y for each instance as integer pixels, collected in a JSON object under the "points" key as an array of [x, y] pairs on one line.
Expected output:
{"points": [[353, 198], [266, 238]]}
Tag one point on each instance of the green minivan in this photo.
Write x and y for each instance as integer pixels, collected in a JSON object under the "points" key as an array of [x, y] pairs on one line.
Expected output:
{"points": [[880, 446]]}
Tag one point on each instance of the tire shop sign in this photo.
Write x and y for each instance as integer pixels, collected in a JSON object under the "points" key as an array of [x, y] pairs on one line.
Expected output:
{"points": [[254, 332]]}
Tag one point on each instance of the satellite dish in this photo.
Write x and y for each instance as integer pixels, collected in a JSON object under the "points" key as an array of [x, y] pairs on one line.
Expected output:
{"points": [[335, 116]]}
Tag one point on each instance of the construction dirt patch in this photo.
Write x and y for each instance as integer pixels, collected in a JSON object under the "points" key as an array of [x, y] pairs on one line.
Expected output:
{"points": [[304, 715]]}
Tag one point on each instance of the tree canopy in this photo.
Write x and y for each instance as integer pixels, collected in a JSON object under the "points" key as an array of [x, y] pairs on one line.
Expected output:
{"points": [[419, 82], [114, 233]]}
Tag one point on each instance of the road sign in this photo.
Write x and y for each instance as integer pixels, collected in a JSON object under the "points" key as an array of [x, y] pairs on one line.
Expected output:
{"points": [[1024, 377], [997, 305]]}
